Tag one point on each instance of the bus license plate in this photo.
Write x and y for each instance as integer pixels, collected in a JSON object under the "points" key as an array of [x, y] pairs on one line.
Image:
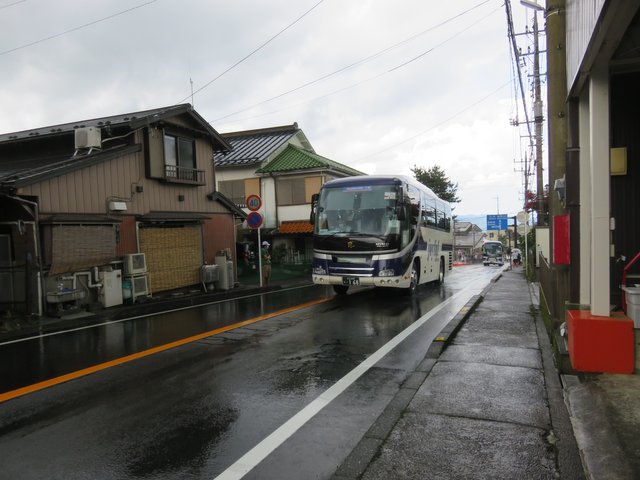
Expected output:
{"points": [[350, 281]]}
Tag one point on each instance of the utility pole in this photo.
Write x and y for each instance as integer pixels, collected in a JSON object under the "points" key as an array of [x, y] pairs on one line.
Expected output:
{"points": [[565, 281], [538, 119]]}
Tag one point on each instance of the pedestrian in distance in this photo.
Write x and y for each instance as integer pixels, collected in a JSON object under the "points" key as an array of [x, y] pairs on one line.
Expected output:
{"points": [[266, 263]]}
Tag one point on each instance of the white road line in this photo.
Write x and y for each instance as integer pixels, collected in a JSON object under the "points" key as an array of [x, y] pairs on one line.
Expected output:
{"points": [[258, 453], [112, 322]]}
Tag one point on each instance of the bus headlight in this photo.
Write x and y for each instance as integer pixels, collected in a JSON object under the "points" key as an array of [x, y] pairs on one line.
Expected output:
{"points": [[387, 272], [319, 271]]}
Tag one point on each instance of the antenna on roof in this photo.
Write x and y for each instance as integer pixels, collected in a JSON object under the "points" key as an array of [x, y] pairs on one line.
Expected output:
{"points": [[191, 82]]}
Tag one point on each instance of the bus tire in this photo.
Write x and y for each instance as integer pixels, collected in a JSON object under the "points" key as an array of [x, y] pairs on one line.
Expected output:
{"points": [[414, 282], [441, 272], [340, 289]]}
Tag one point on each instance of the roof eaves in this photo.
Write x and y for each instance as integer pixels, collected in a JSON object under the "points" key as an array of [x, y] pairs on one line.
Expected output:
{"points": [[180, 109], [130, 119], [31, 176], [262, 131], [227, 203]]}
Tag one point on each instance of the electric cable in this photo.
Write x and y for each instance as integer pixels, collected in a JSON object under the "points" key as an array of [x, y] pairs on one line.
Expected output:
{"points": [[74, 29], [11, 4], [357, 63], [352, 85], [460, 112], [253, 52]]}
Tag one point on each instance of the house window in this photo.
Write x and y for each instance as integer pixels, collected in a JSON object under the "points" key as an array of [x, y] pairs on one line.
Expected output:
{"points": [[180, 160], [233, 190], [291, 191]]}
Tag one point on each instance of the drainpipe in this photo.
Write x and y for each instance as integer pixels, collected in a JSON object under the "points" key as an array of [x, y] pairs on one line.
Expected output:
{"points": [[36, 240], [275, 190]]}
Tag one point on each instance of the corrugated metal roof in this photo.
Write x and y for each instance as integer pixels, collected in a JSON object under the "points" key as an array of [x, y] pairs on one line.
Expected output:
{"points": [[20, 167], [295, 158], [252, 147], [134, 120]]}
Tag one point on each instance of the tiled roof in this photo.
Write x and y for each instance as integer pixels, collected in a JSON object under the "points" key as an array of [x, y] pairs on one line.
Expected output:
{"points": [[298, 226], [252, 147], [295, 158]]}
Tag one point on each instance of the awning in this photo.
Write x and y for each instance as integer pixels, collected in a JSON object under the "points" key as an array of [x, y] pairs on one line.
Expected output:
{"points": [[79, 219], [298, 226], [172, 217]]}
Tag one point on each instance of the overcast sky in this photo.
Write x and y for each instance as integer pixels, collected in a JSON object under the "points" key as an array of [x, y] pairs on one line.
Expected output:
{"points": [[389, 84]]}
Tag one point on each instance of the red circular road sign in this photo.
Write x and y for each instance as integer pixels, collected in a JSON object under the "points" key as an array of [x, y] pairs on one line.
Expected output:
{"points": [[253, 202], [254, 220]]}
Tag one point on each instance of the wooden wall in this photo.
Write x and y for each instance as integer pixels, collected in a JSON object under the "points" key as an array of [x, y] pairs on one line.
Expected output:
{"points": [[90, 189]]}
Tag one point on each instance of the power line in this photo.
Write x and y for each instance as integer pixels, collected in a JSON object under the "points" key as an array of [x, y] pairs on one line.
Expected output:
{"points": [[468, 107], [445, 41], [253, 52], [367, 59], [11, 4], [76, 28]]}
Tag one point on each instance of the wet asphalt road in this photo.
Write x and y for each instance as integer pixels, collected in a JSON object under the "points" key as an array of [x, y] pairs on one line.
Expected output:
{"points": [[194, 410]]}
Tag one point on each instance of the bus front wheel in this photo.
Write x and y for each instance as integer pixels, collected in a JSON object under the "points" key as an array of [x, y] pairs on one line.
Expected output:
{"points": [[441, 273], [415, 279], [340, 289]]}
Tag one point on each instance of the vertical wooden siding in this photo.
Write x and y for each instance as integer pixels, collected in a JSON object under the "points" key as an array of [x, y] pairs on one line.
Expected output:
{"points": [[90, 189]]}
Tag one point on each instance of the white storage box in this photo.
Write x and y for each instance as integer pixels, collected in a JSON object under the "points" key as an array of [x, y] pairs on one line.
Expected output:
{"points": [[632, 295]]}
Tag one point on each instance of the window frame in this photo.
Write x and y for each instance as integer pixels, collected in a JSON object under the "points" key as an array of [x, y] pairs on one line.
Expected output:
{"points": [[296, 193], [185, 169]]}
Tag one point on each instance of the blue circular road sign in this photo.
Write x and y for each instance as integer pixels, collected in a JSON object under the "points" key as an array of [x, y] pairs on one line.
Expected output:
{"points": [[254, 220]]}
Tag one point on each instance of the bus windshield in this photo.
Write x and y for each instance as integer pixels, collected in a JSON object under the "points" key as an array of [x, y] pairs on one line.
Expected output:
{"points": [[492, 248], [367, 210]]}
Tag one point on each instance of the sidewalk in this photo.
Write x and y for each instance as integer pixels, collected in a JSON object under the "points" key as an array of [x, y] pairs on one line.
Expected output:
{"points": [[491, 404]]}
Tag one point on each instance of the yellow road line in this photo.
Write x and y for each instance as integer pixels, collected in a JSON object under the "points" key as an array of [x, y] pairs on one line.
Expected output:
{"points": [[134, 356]]}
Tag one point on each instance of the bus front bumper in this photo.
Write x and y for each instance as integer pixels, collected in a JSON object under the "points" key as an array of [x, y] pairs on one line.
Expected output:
{"points": [[392, 282]]}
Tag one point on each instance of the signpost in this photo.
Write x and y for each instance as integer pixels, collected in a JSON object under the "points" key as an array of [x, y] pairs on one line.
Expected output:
{"points": [[254, 221], [253, 203], [497, 222]]}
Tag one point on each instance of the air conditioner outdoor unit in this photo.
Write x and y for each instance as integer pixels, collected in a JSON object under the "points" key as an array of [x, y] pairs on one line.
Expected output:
{"points": [[209, 273], [134, 264], [139, 286], [88, 137]]}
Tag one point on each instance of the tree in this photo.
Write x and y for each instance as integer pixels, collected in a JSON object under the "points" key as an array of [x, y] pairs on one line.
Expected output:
{"points": [[436, 180]]}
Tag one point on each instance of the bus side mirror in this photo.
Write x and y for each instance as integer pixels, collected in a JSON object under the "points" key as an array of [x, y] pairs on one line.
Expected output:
{"points": [[314, 204]]}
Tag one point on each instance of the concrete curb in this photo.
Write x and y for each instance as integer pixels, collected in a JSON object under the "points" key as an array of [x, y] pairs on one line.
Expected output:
{"points": [[27, 328], [354, 466]]}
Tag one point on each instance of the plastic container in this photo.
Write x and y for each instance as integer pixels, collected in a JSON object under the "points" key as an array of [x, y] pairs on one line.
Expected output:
{"points": [[126, 289], [632, 295]]}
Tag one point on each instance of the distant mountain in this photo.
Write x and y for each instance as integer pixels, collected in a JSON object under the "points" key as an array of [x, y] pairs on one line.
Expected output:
{"points": [[480, 220]]}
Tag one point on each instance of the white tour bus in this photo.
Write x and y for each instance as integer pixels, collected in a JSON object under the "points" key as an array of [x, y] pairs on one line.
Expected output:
{"points": [[383, 231]]}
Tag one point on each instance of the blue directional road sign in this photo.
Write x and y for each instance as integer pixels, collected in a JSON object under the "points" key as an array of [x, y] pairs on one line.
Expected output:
{"points": [[497, 222]]}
